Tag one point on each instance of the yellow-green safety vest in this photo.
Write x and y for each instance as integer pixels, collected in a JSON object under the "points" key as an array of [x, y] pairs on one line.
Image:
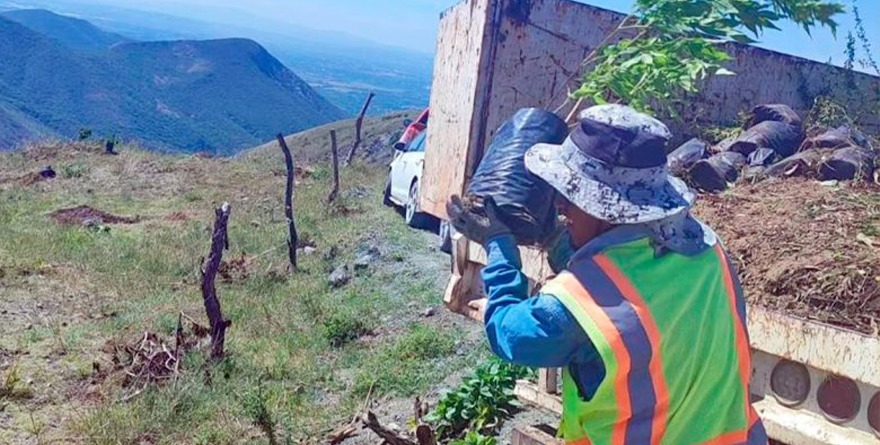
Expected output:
{"points": [[671, 332]]}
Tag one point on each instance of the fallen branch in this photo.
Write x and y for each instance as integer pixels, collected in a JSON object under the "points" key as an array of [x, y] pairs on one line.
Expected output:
{"points": [[357, 127], [340, 435], [219, 242], [370, 421], [288, 203], [335, 191]]}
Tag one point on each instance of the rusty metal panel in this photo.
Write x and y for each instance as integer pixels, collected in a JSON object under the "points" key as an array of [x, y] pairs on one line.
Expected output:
{"points": [[806, 428], [539, 55], [827, 348]]}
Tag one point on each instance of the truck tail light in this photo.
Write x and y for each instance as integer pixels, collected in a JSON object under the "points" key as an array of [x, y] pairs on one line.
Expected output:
{"points": [[790, 382], [874, 413], [839, 399]]}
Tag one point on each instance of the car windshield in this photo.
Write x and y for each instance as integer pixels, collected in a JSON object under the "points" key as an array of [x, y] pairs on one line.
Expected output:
{"points": [[418, 144]]}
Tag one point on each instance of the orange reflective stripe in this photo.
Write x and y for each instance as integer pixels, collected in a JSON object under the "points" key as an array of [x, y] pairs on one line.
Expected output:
{"points": [[629, 292], [582, 441], [742, 344], [621, 389]]}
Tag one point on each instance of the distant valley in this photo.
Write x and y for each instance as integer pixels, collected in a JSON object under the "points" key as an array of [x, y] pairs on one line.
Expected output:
{"points": [[61, 74], [340, 68]]}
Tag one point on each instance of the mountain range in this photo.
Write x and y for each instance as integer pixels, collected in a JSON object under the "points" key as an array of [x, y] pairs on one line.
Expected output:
{"points": [[61, 74], [339, 66]]}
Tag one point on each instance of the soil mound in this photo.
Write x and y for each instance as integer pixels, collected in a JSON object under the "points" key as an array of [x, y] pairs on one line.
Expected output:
{"points": [[84, 214], [804, 248]]}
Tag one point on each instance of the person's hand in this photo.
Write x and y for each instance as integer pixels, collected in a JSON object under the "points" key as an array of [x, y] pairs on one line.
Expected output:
{"points": [[478, 227]]}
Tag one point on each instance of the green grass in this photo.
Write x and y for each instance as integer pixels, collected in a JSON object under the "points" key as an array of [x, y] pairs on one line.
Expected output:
{"points": [[301, 356]]}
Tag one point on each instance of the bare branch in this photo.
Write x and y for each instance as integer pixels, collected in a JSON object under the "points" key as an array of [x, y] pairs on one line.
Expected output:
{"points": [[292, 238], [219, 242], [357, 126], [335, 191]]}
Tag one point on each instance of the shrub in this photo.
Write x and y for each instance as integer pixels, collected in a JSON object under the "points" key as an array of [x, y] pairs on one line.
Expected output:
{"points": [[423, 343], [344, 327], [481, 402], [75, 170], [475, 438]]}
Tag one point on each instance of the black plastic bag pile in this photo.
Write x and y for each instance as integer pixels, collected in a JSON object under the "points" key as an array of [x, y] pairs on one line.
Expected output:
{"points": [[524, 200], [773, 144]]}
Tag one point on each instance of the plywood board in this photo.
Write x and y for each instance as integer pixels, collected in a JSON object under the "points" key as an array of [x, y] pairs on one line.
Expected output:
{"points": [[457, 95]]}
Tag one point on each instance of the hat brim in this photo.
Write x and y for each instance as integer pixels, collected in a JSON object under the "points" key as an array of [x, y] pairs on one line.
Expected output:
{"points": [[627, 201]]}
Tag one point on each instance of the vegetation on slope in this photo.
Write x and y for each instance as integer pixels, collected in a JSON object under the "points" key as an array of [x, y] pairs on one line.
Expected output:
{"points": [[302, 356], [217, 96]]}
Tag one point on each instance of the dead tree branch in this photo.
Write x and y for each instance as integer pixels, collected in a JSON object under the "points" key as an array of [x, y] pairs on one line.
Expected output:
{"points": [[357, 128], [292, 238], [219, 242], [335, 191], [391, 437]]}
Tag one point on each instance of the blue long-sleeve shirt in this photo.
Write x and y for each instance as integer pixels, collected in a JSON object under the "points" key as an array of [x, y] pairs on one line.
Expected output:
{"points": [[539, 331]]}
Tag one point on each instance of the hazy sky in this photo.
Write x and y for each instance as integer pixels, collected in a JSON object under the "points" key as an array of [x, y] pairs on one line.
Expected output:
{"points": [[413, 23]]}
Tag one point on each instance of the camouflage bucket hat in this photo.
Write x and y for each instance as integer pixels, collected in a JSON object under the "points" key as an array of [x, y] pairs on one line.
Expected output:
{"points": [[613, 166]]}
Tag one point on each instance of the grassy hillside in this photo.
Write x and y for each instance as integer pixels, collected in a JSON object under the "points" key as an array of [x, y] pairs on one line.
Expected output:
{"points": [[218, 96], [313, 146], [70, 32], [300, 352], [340, 67]]}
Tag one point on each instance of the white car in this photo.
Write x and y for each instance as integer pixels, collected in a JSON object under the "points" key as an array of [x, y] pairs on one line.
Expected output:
{"points": [[402, 189]]}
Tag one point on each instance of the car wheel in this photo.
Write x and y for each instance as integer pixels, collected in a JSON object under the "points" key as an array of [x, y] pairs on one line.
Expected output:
{"points": [[413, 214], [386, 196], [445, 231]]}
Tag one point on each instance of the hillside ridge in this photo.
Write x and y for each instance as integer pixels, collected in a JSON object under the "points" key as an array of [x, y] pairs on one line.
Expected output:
{"points": [[218, 96]]}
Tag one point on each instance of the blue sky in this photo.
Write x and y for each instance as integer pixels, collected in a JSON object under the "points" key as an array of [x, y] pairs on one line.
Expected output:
{"points": [[413, 23]]}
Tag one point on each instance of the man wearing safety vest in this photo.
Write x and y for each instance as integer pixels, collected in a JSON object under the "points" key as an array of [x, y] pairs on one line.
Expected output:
{"points": [[647, 318]]}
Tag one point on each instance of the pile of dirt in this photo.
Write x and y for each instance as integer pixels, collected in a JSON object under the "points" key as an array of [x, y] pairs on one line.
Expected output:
{"points": [[85, 214], [804, 248], [235, 269]]}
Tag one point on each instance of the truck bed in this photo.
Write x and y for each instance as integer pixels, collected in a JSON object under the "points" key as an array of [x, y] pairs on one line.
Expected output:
{"points": [[803, 248]]}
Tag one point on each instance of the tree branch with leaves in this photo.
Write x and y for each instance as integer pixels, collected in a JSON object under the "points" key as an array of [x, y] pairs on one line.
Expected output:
{"points": [[679, 44]]}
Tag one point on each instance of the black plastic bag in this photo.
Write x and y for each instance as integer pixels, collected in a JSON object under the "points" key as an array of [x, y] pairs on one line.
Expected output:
{"points": [[524, 200], [684, 157], [848, 163], [840, 137], [804, 163], [713, 174], [783, 138], [775, 113]]}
